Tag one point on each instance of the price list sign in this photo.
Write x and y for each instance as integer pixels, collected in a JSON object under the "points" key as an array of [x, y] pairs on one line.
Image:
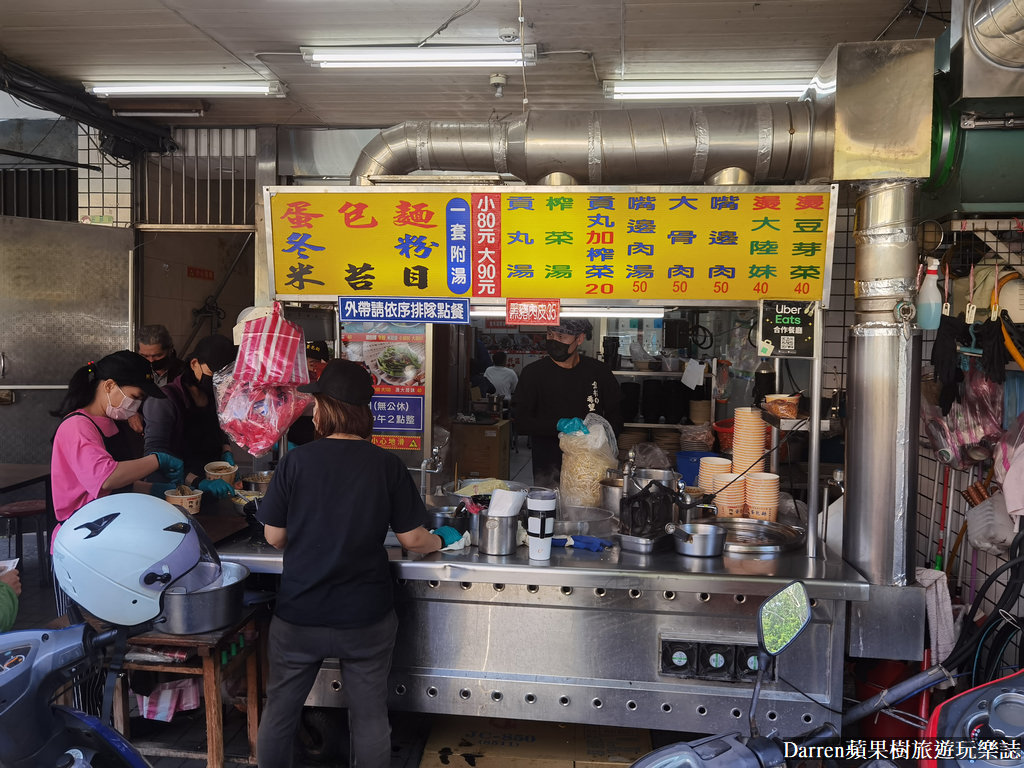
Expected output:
{"points": [[786, 329], [605, 243]]}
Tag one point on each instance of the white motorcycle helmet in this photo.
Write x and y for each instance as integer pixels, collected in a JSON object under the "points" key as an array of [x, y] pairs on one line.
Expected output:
{"points": [[116, 556]]}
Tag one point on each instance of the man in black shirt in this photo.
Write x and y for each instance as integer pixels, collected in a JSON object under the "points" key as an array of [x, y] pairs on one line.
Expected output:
{"points": [[565, 384]]}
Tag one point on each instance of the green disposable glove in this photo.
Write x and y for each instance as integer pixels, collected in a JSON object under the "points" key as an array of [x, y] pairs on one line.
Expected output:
{"points": [[171, 467], [218, 488], [448, 535], [229, 458], [157, 489]]}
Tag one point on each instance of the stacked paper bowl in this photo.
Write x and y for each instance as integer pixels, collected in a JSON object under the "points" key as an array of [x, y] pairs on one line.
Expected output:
{"points": [[748, 441], [762, 495], [730, 494], [709, 467]]}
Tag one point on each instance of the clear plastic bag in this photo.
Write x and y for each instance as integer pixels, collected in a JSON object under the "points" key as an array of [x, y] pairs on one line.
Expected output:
{"points": [[989, 527], [585, 457], [651, 456], [256, 416]]}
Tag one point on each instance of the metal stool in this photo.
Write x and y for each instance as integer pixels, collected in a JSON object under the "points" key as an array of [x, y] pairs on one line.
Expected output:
{"points": [[19, 511]]}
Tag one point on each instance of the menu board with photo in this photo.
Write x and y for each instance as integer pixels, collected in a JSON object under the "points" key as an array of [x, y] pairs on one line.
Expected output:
{"points": [[395, 354]]}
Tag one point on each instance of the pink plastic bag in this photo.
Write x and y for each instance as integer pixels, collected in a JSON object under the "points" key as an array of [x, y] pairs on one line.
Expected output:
{"points": [[169, 698], [256, 416], [273, 351]]}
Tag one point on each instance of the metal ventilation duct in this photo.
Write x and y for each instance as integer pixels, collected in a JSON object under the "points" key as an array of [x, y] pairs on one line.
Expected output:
{"points": [[686, 145]]}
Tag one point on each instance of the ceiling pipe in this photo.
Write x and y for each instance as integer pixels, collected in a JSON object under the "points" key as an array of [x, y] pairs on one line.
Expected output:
{"points": [[684, 145]]}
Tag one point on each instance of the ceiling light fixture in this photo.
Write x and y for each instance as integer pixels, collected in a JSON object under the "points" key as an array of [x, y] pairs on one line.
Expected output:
{"points": [[158, 112], [423, 56], [703, 90], [187, 88]]}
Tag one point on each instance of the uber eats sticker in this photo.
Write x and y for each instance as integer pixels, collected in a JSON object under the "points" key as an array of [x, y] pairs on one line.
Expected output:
{"points": [[786, 329]]}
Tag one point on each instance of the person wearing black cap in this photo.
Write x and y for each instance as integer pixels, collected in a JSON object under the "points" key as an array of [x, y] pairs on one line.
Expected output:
{"points": [[301, 431], [91, 457], [563, 385], [185, 424], [329, 507]]}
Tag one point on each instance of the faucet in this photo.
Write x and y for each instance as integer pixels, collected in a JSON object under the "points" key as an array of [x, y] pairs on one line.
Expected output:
{"points": [[432, 464]]}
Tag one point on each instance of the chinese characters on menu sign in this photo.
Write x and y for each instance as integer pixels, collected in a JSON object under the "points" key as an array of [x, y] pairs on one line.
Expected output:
{"points": [[696, 243], [395, 355]]}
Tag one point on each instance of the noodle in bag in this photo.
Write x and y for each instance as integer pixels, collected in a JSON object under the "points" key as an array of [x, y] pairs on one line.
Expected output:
{"points": [[585, 457]]}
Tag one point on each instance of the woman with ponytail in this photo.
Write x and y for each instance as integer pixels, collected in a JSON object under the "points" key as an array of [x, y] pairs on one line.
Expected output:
{"points": [[91, 457]]}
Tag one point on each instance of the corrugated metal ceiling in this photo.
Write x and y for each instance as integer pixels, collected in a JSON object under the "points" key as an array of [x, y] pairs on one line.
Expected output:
{"points": [[581, 43]]}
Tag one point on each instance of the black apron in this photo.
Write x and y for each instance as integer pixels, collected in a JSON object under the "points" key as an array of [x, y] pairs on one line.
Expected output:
{"points": [[123, 446]]}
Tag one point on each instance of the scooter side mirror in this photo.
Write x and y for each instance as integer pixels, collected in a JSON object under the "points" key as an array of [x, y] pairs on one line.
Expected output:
{"points": [[782, 617]]}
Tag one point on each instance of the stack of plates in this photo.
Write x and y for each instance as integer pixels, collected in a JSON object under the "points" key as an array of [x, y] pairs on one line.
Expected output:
{"points": [[667, 440], [696, 437], [709, 467], [630, 438], [748, 441], [762, 495], [730, 494]]}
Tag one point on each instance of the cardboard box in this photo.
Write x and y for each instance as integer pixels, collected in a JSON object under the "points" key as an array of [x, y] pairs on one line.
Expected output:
{"points": [[482, 450], [492, 743]]}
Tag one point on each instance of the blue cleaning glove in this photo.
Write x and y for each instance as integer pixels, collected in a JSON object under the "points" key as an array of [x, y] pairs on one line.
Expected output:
{"points": [[218, 488], [229, 458], [157, 489], [171, 467], [592, 543], [448, 535]]}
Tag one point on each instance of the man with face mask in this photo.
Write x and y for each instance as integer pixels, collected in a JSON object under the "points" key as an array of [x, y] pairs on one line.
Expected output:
{"points": [[565, 384], [155, 344], [185, 423]]}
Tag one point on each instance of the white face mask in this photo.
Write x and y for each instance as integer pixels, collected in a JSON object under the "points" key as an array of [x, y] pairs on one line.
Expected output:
{"points": [[128, 407]]}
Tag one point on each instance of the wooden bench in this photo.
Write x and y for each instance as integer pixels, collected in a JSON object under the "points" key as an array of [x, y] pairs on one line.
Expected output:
{"points": [[212, 660]]}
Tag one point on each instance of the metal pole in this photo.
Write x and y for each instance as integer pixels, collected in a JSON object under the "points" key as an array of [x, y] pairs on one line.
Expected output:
{"points": [[814, 438]]}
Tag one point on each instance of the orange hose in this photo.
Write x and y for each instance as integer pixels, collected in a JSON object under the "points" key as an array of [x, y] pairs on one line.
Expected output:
{"points": [[1007, 342]]}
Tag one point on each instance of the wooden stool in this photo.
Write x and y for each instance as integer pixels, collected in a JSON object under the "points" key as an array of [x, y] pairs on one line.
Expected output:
{"points": [[212, 661], [18, 512]]}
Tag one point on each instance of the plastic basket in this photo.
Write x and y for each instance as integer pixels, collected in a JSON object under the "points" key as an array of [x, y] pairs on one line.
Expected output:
{"points": [[723, 429]]}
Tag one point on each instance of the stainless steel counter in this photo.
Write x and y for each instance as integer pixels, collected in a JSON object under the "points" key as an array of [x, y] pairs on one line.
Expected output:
{"points": [[615, 638]]}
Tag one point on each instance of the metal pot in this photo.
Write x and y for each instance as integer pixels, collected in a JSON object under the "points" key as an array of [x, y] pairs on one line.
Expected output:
{"points": [[498, 535], [208, 609], [585, 521], [456, 517], [699, 539], [258, 481], [611, 494]]}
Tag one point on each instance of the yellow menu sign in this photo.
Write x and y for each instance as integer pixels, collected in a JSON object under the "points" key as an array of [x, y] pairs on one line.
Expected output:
{"points": [[604, 243]]}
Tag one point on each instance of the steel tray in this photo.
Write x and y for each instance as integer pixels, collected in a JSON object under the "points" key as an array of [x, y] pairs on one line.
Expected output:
{"points": [[642, 544], [746, 536]]}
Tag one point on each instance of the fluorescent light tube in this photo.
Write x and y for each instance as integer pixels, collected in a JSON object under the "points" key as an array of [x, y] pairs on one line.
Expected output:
{"points": [[703, 89], [425, 56], [637, 312], [190, 88], [498, 310], [158, 112]]}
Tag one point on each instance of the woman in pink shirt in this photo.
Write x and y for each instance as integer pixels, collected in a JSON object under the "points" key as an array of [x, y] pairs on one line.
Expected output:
{"points": [[91, 456]]}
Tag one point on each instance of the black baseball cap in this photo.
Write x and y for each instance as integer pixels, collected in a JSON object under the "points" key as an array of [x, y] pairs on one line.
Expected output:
{"points": [[573, 326], [215, 351], [343, 380], [318, 350], [128, 369]]}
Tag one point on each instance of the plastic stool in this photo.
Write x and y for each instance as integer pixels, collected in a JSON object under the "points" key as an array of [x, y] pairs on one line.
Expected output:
{"points": [[18, 512]]}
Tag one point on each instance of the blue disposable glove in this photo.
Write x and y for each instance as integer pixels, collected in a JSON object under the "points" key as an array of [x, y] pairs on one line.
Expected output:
{"points": [[218, 488], [448, 535], [592, 543], [229, 458], [559, 542], [171, 467], [277, 446], [157, 489]]}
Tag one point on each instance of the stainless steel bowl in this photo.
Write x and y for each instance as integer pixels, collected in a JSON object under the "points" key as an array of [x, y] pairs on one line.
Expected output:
{"points": [[585, 521], [438, 516], [699, 539], [258, 481]]}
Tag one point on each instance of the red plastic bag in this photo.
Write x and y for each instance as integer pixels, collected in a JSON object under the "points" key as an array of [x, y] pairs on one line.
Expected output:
{"points": [[273, 351], [256, 416]]}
